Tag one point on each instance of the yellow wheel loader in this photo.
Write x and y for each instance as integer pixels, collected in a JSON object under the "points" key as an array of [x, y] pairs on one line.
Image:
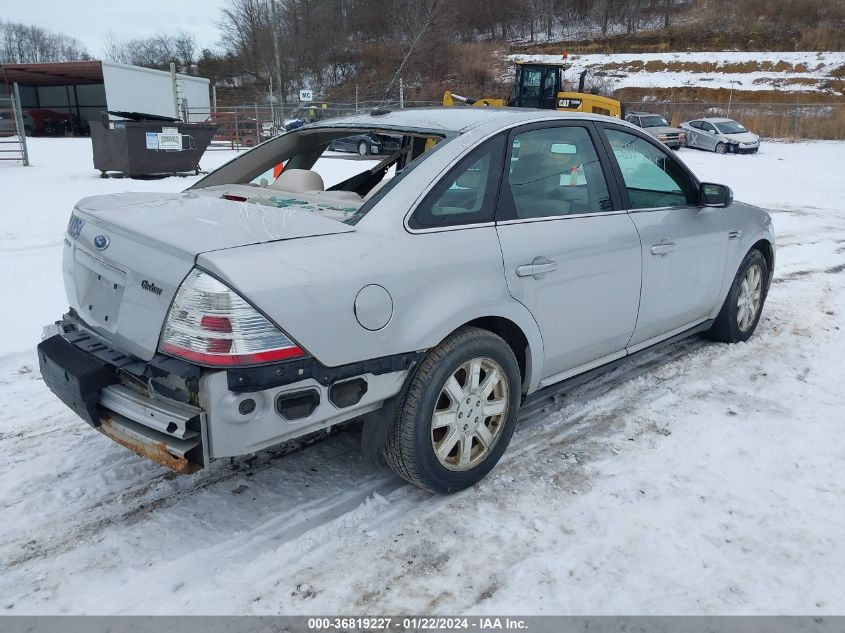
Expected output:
{"points": [[539, 85]]}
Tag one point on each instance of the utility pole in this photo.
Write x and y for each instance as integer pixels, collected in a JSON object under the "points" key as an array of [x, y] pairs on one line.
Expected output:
{"points": [[401, 93], [278, 60], [175, 91], [356, 98], [272, 111]]}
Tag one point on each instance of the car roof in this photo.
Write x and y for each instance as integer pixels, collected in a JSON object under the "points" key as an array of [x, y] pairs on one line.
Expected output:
{"points": [[715, 119], [447, 119], [642, 112]]}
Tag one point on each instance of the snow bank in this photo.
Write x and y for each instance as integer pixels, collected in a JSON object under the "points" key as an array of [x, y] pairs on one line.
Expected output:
{"points": [[783, 71], [704, 479]]}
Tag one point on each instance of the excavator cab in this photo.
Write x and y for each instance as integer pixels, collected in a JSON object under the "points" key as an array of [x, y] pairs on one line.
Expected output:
{"points": [[536, 86], [539, 85]]}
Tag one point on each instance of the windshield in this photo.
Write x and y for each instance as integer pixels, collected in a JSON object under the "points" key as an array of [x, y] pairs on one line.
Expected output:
{"points": [[730, 127], [654, 121], [333, 172]]}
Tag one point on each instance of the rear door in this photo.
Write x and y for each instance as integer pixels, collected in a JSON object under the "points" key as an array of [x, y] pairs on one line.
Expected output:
{"points": [[571, 253], [707, 136], [684, 245]]}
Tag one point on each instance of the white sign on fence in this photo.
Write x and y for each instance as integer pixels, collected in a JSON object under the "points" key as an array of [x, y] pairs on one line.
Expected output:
{"points": [[306, 95]]}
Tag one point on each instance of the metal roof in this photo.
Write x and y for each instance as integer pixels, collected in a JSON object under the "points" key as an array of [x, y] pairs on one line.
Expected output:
{"points": [[53, 74], [447, 119]]}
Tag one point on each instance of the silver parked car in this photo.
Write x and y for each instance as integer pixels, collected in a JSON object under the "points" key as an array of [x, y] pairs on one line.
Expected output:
{"points": [[250, 310], [659, 128], [720, 135]]}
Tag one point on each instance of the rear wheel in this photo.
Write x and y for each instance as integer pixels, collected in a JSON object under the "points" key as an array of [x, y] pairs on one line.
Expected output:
{"points": [[743, 306], [721, 148], [458, 414], [363, 148]]}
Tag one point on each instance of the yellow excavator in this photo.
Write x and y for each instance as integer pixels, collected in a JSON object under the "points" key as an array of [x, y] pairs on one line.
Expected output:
{"points": [[539, 85]]}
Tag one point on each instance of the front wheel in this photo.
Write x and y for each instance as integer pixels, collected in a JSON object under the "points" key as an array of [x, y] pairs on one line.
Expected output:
{"points": [[363, 148], [743, 306], [721, 148], [458, 414]]}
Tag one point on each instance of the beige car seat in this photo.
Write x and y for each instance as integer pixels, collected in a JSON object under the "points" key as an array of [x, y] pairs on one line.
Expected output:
{"points": [[298, 181]]}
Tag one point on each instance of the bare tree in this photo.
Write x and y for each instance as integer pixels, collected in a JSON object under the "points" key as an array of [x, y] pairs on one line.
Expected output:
{"points": [[22, 44]]}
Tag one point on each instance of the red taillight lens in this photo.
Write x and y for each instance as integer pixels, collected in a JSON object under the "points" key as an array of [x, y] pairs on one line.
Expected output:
{"points": [[210, 324]]}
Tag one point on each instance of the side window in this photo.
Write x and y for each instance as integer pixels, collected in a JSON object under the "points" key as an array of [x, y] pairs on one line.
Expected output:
{"points": [[549, 83], [467, 194], [531, 78], [554, 171], [695, 124], [652, 177], [707, 127]]}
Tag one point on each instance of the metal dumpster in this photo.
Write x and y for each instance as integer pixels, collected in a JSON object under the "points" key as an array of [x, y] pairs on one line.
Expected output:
{"points": [[148, 145]]}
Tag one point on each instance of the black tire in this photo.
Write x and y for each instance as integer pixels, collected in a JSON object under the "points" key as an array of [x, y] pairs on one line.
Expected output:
{"points": [[721, 148], [27, 130], [726, 327], [363, 148], [409, 446]]}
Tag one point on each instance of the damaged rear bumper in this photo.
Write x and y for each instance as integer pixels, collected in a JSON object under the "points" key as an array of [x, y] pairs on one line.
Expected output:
{"points": [[184, 416], [171, 433]]}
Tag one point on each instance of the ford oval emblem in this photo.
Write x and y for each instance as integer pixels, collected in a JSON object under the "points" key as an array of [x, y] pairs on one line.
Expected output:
{"points": [[101, 242]]}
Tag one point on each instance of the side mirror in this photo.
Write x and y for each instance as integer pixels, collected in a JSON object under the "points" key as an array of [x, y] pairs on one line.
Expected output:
{"points": [[713, 195]]}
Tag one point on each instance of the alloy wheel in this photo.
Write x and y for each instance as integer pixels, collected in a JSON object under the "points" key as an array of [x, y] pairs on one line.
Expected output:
{"points": [[750, 297], [469, 415]]}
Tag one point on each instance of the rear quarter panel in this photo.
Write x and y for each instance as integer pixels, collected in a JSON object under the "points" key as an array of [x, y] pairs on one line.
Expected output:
{"points": [[437, 282]]}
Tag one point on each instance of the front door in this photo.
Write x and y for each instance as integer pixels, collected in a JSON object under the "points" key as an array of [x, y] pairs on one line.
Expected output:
{"points": [[684, 245], [571, 254]]}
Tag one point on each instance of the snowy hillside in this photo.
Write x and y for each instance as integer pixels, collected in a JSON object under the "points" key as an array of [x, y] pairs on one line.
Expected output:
{"points": [[753, 71], [705, 478]]}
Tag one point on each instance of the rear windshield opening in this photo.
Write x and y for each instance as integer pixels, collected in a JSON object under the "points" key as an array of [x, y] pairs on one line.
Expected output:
{"points": [[332, 172]]}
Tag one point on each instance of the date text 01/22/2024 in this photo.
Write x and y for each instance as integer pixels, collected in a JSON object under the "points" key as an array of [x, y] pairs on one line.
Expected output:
{"points": [[418, 623]]}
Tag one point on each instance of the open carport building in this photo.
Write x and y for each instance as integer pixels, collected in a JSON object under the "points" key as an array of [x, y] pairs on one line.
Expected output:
{"points": [[79, 92]]}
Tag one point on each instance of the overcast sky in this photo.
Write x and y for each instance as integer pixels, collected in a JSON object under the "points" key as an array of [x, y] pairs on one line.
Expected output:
{"points": [[90, 20]]}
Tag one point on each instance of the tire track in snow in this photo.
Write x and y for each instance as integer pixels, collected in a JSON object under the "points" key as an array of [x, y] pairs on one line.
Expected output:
{"points": [[330, 507], [335, 505]]}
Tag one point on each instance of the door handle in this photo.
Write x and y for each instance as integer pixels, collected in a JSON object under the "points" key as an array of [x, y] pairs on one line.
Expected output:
{"points": [[663, 247], [537, 268]]}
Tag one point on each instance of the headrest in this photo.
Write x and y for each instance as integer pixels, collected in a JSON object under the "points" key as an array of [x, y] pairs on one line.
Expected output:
{"points": [[298, 181]]}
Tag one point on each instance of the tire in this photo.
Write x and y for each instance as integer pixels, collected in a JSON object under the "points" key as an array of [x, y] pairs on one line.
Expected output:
{"points": [[363, 148], [721, 148], [733, 324], [27, 130], [410, 446]]}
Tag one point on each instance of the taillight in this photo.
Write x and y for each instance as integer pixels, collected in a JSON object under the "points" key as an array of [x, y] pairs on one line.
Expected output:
{"points": [[210, 324]]}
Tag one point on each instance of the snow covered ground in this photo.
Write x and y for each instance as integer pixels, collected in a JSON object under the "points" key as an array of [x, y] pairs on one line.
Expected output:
{"points": [[784, 71], [703, 479]]}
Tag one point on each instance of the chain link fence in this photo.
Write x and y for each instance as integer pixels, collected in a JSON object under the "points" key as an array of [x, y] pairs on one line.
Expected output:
{"points": [[248, 124], [770, 120]]}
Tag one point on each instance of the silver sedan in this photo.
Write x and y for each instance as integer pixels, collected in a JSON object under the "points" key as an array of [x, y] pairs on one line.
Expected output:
{"points": [[498, 254], [723, 136]]}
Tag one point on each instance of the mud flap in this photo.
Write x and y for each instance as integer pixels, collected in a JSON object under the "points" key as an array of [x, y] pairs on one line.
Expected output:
{"points": [[74, 376], [377, 423]]}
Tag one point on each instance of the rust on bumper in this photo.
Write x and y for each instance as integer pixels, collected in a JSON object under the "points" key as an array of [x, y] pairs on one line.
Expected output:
{"points": [[157, 451]]}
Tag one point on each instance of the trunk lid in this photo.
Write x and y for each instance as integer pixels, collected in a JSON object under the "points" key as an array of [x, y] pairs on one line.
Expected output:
{"points": [[125, 255]]}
